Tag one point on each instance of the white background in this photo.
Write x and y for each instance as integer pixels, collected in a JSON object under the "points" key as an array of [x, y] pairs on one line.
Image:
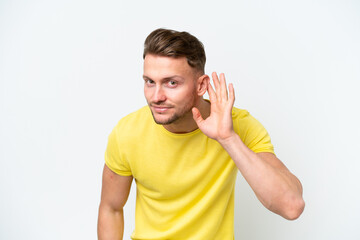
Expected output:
{"points": [[70, 70]]}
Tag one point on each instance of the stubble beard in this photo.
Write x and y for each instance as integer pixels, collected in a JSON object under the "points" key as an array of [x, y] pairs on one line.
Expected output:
{"points": [[173, 118], [177, 116]]}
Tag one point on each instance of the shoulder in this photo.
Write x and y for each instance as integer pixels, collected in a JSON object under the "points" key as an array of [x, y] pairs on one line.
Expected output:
{"points": [[238, 113], [245, 124], [251, 131], [141, 115], [243, 117], [133, 124]]}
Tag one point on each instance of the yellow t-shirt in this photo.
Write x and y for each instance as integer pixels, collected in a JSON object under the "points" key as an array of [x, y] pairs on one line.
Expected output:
{"points": [[185, 182]]}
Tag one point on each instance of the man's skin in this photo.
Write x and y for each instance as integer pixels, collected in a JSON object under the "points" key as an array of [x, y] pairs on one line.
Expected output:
{"points": [[174, 92]]}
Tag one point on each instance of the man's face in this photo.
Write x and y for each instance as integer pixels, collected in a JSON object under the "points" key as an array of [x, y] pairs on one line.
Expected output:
{"points": [[170, 88]]}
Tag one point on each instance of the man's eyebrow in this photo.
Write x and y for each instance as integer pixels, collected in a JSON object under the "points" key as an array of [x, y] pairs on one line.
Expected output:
{"points": [[166, 78], [173, 77]]}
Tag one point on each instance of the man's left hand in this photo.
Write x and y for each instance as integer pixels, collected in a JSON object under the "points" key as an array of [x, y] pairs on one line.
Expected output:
{"points": [[218, 125]]}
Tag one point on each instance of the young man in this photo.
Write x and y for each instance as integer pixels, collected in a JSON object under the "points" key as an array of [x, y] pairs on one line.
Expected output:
{"points": [[184, 152]]}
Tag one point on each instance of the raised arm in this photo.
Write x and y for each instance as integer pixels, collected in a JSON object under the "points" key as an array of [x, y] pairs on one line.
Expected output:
{"points": [[276, 188], [273, 184], [114, 194]]}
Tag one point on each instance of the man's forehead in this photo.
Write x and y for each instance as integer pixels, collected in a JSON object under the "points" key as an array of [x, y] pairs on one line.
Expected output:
{"points": [[166, 67], [164, 60]]}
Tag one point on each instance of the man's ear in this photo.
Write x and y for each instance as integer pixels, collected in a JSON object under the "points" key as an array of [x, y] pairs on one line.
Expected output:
{"points": [[202, 84]]}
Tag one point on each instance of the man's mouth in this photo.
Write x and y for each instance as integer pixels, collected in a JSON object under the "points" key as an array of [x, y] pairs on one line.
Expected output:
{"points": [[160, 108]]}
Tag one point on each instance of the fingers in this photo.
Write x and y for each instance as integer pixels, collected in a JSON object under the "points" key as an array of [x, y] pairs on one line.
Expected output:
{"points": [[223, 88], [231, 94], [212, 93], [221, 92], [216, 82]]}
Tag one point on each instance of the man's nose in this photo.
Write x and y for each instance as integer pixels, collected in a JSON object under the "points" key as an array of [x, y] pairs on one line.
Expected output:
{"points": [[159, 95]]}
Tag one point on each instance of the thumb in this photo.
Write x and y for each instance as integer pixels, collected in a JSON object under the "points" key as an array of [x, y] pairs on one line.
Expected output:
{"points": [[197, 116]]}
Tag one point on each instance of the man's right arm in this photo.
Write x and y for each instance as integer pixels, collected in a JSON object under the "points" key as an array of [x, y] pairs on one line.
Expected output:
{"points": [[114, 194]]}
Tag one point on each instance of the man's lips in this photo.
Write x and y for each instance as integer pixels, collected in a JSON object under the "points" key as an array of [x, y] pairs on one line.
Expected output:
{"points": [[160, 108]]}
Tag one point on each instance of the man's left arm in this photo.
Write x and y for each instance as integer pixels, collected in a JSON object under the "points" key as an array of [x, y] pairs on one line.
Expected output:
{"points": [[273, 184]]}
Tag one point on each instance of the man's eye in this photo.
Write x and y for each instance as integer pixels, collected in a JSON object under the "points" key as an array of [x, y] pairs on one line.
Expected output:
{"points": [[148, 81], [172, 83]]}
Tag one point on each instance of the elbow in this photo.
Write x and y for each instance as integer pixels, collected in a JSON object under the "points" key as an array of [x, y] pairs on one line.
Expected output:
{"points": [[294, 209]]}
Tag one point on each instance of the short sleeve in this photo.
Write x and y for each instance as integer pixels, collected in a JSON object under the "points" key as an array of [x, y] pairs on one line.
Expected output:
{"points": [[255, 135], [114, 159]]}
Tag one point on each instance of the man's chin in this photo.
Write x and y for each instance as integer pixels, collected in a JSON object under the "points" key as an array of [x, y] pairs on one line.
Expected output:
{"points": [[164, 120]]}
